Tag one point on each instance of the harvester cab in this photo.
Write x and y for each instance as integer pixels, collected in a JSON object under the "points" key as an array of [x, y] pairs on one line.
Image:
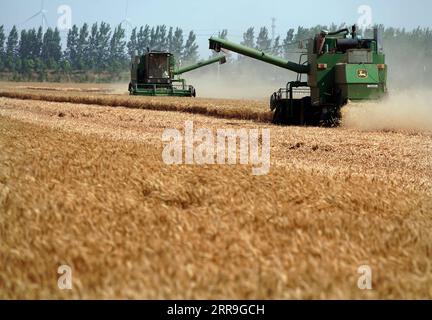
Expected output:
{"points": [[340, 67], [155, 74]]}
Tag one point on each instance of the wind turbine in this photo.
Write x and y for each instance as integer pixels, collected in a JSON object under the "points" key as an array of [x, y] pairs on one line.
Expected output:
{"points": [[42, 13]]}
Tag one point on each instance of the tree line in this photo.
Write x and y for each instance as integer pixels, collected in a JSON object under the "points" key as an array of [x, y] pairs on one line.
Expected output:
{"points": [[102, 49], [95, 49]]}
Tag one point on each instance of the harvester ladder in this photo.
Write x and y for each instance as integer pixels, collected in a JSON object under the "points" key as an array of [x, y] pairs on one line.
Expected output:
{"points": [[299, 75]]}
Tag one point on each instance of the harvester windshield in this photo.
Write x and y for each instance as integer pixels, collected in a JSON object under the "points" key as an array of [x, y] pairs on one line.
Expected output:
{"points": [[158, 66]]}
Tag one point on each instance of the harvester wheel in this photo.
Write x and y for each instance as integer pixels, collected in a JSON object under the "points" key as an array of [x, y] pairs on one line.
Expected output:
{"points": [[331, 117], [273, 101]]}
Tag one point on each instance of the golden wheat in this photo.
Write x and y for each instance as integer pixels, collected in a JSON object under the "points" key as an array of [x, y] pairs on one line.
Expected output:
{"points": [[85, 185], [227, 109]]}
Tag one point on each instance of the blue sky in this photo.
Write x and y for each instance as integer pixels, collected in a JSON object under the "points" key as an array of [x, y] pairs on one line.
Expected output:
{"points": [[207, 17]]}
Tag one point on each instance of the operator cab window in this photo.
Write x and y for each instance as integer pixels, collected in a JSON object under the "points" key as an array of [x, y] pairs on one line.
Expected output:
{"points": [[158, 66]]}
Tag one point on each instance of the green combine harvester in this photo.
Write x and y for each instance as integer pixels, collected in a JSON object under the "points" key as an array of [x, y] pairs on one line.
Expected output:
{"points": [[154, 74], [340, 67]]}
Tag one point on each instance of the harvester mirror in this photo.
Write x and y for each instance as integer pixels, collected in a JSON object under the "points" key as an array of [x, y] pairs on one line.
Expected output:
{"points": [[354, 31]]}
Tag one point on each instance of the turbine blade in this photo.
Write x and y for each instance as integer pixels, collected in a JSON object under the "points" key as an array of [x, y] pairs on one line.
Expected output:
{"points": [[32, 17]]}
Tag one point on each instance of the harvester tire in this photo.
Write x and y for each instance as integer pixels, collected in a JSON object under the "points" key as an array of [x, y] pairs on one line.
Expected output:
{"points": [[273, 101], [331, 118]]}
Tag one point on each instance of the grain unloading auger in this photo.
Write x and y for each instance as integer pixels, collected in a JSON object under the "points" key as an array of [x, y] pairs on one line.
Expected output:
{"points": [[340, 67], [154, 74]]}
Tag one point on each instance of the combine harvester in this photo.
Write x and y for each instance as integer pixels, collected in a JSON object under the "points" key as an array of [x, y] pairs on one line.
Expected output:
{"points": [[340, 67], [154, 74]]}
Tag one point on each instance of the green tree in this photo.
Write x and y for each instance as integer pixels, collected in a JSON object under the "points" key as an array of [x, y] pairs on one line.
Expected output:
{"points": [[56, 48], [177, 43], [276, 48], [65, 67], [302, 34], [92, 50], [23, 45], [143, 39], [117, 49], [38, 43], [132, 45], [170, 38], [263, 41], [190, 53], [82, 48], [103, 47], [249, 38], [46, 48], [51, 48], [12, 49], [2, 51], [223, 34], [25, 51], [287, 43], [39, 66], [153, 37], [71, 53], [161, 38], [32, 43]]}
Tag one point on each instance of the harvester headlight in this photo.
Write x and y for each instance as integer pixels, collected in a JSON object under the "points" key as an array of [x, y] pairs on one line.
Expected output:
{"points": [[381, 66], [322, 66]]}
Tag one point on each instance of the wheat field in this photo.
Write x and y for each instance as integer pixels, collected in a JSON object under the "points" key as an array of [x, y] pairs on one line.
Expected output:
{"points": [[84, 184]]}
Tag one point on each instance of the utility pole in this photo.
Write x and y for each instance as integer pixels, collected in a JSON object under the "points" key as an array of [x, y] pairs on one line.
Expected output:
{"points": [[273, 27]]}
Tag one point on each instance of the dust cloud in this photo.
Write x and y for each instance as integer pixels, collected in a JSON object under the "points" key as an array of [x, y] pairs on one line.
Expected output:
{"points": [[408, 109], [408, 105], [246, 79], [230, 87], [409, 101]]}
